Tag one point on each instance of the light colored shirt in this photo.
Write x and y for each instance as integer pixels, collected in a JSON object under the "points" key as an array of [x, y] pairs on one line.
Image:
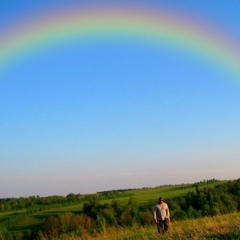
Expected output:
{"points": [[161, 211]]}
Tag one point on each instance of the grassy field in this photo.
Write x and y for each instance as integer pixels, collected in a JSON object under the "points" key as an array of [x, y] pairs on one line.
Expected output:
{"points": [[207, 228], [220, 227], [20, 221]]}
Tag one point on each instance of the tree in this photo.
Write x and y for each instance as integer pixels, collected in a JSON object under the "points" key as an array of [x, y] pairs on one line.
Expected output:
{"points": [[52, 227]]}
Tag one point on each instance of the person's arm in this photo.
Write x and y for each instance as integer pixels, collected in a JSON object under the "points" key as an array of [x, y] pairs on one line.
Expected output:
{"points": [[155, 214], [168, 213]]}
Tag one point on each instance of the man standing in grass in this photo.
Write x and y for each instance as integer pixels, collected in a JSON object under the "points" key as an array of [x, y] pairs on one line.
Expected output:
{"points": [[161, 215]]}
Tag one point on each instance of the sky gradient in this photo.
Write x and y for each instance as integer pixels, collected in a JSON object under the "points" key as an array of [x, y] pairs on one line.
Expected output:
{"points": [[113, 113]]}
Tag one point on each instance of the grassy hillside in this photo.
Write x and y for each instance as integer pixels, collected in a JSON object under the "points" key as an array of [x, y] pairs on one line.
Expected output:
{"points": [[207, 228], [219, 227], [22, 221]]}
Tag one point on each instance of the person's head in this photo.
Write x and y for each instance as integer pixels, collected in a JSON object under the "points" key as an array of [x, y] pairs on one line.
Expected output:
{"points": [[160, 200]]}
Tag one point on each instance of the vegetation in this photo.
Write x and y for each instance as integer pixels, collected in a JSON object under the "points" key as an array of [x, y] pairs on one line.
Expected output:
{"points": [[125, 214]]}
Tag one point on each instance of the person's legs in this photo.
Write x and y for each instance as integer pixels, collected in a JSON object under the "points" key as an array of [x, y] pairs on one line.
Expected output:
{"points": [[166, 225], [160, 226]]}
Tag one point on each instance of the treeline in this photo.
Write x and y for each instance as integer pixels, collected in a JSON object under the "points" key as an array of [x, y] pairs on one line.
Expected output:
{"points": [[7, 204], [205, 182], [37, 203], [207, 201]]}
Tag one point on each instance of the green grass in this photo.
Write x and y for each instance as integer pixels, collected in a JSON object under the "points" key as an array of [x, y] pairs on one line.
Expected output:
{"points": [[25, 223], [219, 227], [208, 228], [146, 198]]}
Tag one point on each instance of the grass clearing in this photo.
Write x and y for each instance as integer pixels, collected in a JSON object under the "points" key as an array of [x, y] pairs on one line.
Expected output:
{"points": [[219, 227]]}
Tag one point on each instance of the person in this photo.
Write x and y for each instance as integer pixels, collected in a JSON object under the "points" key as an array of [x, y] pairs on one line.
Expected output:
{"points": [[161, 216]]}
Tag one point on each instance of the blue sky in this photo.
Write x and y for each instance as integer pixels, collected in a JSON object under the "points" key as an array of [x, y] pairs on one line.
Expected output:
{"points": [[109, 114]]}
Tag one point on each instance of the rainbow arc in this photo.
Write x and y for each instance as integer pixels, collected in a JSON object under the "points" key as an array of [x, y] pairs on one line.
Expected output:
{"points": [[154, 25]]}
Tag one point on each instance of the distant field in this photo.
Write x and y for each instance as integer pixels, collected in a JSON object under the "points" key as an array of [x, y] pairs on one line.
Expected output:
{"points": [[147, 197]]}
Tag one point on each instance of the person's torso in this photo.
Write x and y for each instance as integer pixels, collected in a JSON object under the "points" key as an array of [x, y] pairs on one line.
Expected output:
{"points": [[161, 210]]}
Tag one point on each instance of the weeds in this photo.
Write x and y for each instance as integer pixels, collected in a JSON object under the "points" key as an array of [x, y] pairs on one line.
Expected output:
{"points": [[207, 228]]}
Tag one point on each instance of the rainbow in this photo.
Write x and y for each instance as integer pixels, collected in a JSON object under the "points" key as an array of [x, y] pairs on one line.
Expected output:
{"points": [[159, 26]]}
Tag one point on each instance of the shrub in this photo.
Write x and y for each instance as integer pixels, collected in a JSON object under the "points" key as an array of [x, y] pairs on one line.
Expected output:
{"points": [[146, 218]]}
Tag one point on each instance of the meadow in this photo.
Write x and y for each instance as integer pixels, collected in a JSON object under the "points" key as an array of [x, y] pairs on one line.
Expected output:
{"points": [[30, 223], [207, 228], [146, 197]]}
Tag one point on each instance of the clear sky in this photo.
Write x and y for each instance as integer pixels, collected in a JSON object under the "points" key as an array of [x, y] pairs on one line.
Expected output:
{"points": [[112, 113]]}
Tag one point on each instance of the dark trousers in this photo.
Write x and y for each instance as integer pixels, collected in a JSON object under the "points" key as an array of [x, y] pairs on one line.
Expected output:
{"points": [[162, 226]]}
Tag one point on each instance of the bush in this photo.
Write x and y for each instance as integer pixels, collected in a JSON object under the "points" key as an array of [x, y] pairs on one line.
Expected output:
{"points": [[146, 218]]}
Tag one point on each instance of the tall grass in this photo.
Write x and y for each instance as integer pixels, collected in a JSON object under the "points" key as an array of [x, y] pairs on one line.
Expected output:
{"points": [[218, 227]]}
